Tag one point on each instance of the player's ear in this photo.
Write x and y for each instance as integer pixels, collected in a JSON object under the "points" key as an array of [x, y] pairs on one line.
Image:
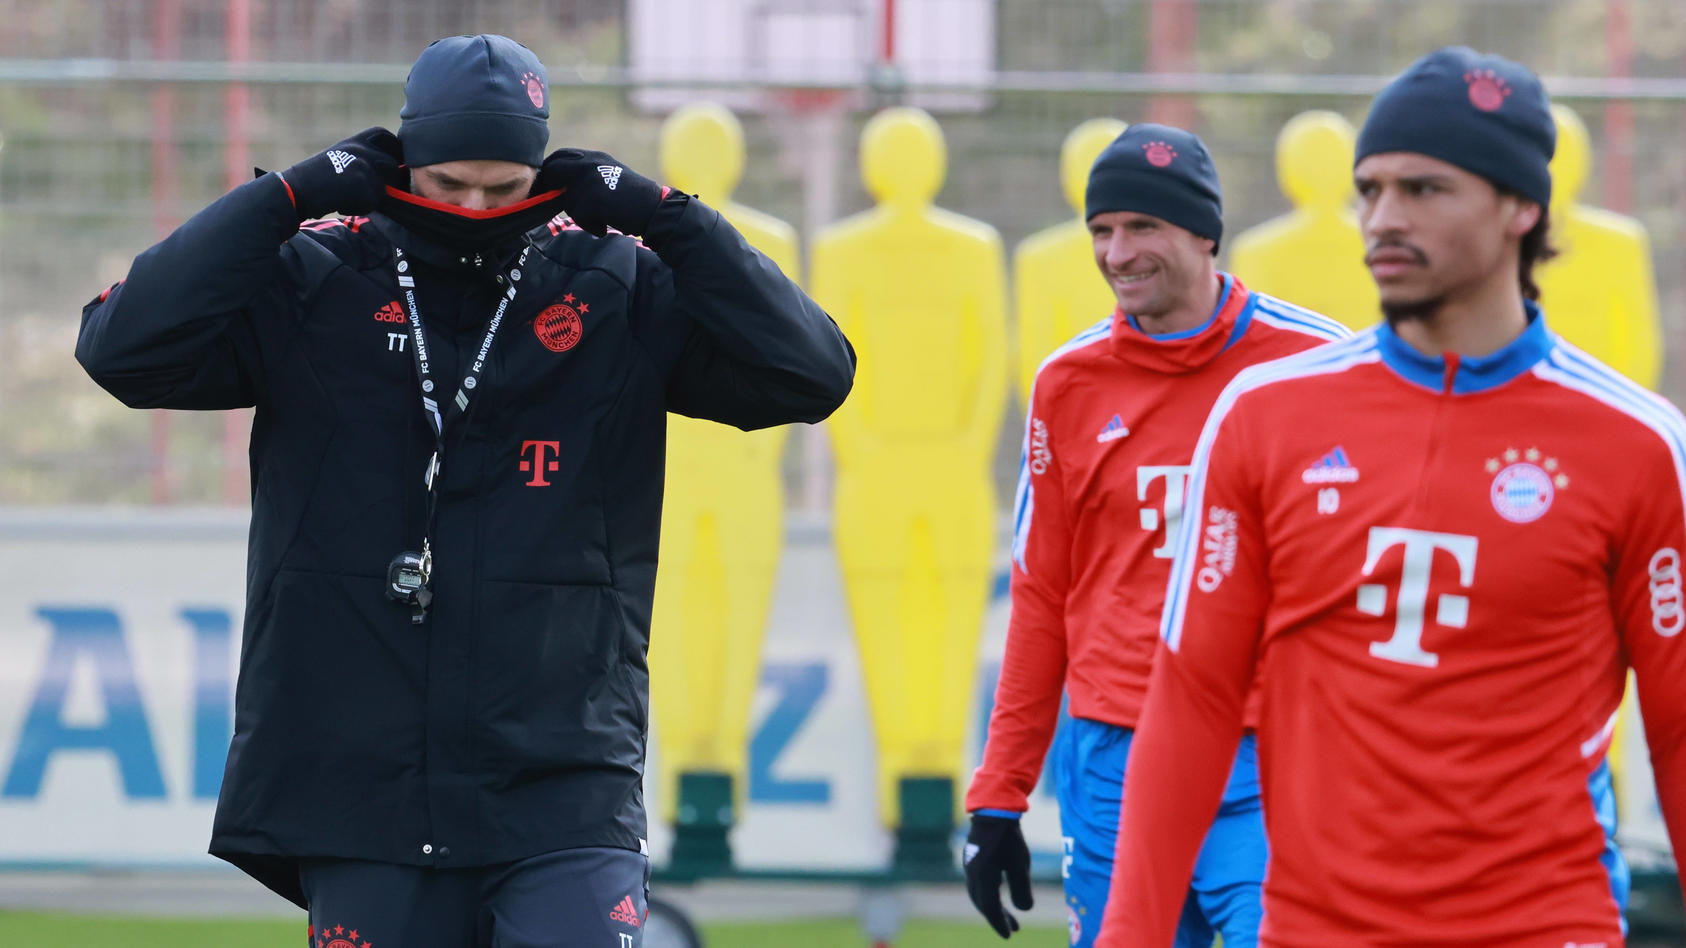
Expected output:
{"points": [[1523, 216]]}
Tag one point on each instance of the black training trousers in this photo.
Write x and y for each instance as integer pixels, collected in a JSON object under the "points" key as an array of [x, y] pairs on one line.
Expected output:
{"points": [[572, 898]]}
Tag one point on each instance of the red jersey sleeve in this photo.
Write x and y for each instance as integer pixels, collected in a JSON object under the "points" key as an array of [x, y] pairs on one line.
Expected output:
{"points": [[1027, 696], [1196, 698], [1650, 609]]}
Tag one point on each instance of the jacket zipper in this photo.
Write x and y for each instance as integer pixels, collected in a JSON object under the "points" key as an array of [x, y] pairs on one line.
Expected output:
{"points": [[1431, 458]]}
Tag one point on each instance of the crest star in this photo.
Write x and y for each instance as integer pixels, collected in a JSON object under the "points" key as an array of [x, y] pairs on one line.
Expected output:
{"points": [[1551, 464], [339, 929], [1492, 465], [1533, 454], [584, 308], [568, 299], [354, 934], [1511, 454], [1562, 481]]}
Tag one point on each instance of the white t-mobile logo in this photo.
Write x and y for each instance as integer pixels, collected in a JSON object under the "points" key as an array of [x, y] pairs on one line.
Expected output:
{"points": [[1175, 477], [1452, 611]]}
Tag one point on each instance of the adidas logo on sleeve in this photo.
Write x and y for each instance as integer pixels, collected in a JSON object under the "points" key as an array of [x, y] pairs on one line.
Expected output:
{"points": [[611, 175], [341, 160]]}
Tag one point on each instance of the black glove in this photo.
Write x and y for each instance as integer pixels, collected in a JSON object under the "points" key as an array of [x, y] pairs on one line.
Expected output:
{"points": [[599, 192], [994, 848], [350, 177]]}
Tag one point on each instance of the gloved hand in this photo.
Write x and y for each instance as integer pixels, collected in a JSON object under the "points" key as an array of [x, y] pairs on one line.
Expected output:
{"points": [[994, 848], [599, 192], [350, 177]]}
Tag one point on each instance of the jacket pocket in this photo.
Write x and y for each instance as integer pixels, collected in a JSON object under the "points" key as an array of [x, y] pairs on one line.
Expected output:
{"points": [[548, 679]]}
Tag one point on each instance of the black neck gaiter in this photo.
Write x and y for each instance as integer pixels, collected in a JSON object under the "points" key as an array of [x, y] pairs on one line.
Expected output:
{"points": [[465, 231]]}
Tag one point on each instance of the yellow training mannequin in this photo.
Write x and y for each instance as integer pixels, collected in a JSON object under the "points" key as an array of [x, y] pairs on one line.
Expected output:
{"points": [[722, 518], [920, 291], [1314, 254], [1055, 288], [1600, 294]]}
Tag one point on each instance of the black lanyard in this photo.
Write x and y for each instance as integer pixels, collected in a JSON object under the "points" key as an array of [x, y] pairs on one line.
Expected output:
{"points": [[424, 373]]}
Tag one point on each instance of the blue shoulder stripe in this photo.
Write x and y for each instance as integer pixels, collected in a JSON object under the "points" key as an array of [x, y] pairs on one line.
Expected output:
{"points": [[1281, 312], [1090, 334], [1572, 368]]}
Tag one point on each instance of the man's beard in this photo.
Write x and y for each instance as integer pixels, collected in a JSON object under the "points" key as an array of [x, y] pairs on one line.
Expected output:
{"points": [[1405, 311]]}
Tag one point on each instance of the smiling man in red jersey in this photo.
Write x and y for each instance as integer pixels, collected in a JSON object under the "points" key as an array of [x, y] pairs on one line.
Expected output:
{"points": [[1439, 546], [1114, 415]]}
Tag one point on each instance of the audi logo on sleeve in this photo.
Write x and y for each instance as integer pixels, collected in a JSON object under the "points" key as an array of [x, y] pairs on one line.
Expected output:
{"points": [[1667, 617]]}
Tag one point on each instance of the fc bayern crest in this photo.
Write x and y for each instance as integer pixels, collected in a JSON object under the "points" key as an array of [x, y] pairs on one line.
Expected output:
{"points": [[1487, 91], [559, 326], [1524, 483], [1522, 492], [337, 936], [1159, 154]]}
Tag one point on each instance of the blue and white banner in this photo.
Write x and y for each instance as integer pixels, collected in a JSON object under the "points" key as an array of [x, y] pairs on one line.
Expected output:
{"points": [[119, 639], [120, 633]]}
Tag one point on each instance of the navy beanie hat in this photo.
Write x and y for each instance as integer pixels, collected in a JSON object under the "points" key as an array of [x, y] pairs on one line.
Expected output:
{"points": [[475, 97], [1161, 171], [1483, 113]]}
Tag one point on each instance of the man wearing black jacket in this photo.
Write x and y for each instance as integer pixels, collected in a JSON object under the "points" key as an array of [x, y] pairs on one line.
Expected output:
{"points": [[457, 463]]}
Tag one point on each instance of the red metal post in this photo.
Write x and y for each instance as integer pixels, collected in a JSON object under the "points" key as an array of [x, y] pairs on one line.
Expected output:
{"points": [[166, 45], [1173, 26], [236, 97], [887, 39], [237, 107]]}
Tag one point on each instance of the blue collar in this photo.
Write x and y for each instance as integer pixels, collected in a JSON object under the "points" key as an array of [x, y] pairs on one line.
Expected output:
{"points": [[1471, 373], [1223, 298]]}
